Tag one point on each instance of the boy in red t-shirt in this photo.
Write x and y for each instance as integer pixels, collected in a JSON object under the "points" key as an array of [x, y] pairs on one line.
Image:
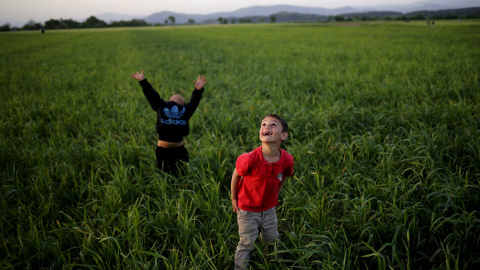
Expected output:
{"points": [[256, 182]]}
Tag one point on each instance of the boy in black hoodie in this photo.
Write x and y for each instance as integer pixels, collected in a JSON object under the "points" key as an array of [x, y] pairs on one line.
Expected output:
{"points": [[172, 122]]}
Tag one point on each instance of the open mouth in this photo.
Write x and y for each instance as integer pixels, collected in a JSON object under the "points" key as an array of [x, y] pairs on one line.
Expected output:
{"points": [[266, 133]]}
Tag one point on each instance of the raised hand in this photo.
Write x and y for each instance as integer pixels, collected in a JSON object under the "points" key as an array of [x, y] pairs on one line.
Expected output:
{"points": [[138, 76], [200, 83]]}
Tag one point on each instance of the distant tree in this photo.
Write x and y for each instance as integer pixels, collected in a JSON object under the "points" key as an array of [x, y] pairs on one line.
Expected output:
{"points": [[32, 25], [273, 19], [418, 17], [244, 20], [171, 19], [222, 20], [133, 22], [191, 21], [166, 22], [53, 24], [5, 28], [69, 23], [450, 16], [339, 18], [474, 15], [93, 22]]}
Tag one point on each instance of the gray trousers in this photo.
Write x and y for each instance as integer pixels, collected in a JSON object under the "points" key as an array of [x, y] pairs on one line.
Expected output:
{"points": [[249, 226]]}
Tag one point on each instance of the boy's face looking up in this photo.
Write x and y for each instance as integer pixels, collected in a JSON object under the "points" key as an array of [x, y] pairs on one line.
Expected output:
{"points": [[271, 130], [178, 99]]}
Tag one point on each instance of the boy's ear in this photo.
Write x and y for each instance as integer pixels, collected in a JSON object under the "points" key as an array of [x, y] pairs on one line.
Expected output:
{"points": [[284, 136]]}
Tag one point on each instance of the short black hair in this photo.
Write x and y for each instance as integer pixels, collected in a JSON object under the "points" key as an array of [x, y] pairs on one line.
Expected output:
{"points": [[279, 118]]}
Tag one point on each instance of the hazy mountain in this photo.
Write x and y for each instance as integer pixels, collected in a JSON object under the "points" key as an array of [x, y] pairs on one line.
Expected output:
{"points": [[269, 10], [160, 17], [424, 5], [181, 18]]}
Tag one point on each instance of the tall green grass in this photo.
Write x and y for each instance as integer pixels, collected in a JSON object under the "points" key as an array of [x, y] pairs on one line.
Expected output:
{"points": [[384, 123]]}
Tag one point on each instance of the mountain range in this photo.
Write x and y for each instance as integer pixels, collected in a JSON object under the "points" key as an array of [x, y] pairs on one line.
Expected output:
{"points": [[181, 18]]}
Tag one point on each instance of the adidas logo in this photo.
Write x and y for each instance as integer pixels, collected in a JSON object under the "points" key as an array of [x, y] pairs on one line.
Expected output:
{"points": [[173, 112], [169, 121]]}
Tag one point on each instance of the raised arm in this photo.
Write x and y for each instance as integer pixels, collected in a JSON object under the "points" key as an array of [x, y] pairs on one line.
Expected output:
{"points": [[192, 105], [152, 96], [234, 188]]}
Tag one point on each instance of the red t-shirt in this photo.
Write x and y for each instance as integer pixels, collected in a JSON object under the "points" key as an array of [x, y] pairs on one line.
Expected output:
{"points": [[258, 188]]}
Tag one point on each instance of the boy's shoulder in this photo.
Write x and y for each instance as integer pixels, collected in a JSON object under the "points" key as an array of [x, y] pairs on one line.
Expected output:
{"points": [[255, 153], [247, 162], [287, 155], [256, 156]]}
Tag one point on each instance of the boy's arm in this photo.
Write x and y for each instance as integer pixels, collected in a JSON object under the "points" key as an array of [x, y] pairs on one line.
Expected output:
{"points": [[192, 105], [282, 183], [234, 187], [152, 96]]}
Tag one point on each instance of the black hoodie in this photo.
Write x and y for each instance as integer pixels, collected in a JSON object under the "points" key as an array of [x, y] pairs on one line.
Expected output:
{"points": [[172, 118]]}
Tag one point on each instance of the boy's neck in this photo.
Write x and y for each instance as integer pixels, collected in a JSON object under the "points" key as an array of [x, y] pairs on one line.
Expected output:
{"points": [[271, 152]]}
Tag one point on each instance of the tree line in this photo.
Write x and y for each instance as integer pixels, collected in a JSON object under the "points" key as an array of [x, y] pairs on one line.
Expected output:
{"points": [[91, 22]]}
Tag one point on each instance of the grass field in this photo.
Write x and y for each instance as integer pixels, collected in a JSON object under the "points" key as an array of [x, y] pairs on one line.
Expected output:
{"points": [[385, 128]]}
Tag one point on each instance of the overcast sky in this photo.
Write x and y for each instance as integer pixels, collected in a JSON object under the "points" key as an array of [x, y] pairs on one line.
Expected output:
{"points": [[41, 10]]}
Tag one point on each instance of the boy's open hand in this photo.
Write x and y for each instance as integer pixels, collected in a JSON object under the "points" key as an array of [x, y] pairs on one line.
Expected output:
{"points": [[138, 76], [200, 82], [235, 205]]}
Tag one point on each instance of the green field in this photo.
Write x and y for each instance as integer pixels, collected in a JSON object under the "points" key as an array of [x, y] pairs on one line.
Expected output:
{"points": [[385, 131]]}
